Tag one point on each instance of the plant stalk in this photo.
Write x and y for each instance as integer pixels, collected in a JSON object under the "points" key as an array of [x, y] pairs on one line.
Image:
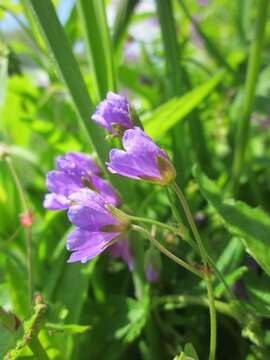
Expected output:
{"points": [[166, 252], [242, 135], [171, 302], [155, 222], [203, 253]]}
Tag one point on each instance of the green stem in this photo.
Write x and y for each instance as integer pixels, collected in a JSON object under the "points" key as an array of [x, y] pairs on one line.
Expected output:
{"points": [[154, 222], [166, 252], [242, 134], [203, 253], [28, 232], [173, 206], [171, 302], [37, 349], [177, 231], [8, 321]]}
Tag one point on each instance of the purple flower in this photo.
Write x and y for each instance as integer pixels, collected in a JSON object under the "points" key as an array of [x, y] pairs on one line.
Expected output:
{"points": [[113, 113], [75, 171], [152, 274], [142, 159], [97, 227], [202, 2], [121, 250]]}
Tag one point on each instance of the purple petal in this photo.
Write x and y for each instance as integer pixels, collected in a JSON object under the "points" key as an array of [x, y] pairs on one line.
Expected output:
{"points": [[76, 163], [86, 245], [88, 218], [89, 198], [113, 110], [56, 202], [122, 163], [135, 141], [139, 159], [202, 2], [61, 183], [106, 190], [90, 212], [120, 249]]}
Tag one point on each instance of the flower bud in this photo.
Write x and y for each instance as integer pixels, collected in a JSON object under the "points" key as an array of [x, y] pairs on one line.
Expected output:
{"points": [[26, 218]]}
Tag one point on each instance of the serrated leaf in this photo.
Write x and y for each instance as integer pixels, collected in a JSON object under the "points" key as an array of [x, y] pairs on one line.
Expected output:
{"points": [[136, 317], [252, 225]]}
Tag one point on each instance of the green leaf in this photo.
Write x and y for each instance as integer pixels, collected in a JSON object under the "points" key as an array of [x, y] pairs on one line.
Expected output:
{"points": [[69, 71], [99, 50], [230, 280], [167, 115], [124, 12], [68, 328], [231, 256], [252, 225], [258, 290], [7, 340], [190, 351], [17, 281], [27, 332], [136, 319]]}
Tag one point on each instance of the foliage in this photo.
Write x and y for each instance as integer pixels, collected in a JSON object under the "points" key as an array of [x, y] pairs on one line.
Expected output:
{"points": [[183, 67]]}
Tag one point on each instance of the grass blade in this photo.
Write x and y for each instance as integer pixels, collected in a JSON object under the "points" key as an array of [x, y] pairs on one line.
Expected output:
{"points": [[123, 14], [95, 30], [176, 109], [69, 71], [248, 101], [209, 45]]}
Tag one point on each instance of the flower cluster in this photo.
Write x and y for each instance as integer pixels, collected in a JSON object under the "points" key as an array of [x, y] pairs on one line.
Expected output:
{"points": [[91, 201], [75, 185]]}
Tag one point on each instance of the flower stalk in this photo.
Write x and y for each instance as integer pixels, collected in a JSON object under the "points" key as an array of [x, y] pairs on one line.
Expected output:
{"points": [[166, 252], [204, 257]]}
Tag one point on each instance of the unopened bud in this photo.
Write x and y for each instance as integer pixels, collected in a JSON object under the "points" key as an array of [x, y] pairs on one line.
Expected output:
{"points": [[26, 218]]}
